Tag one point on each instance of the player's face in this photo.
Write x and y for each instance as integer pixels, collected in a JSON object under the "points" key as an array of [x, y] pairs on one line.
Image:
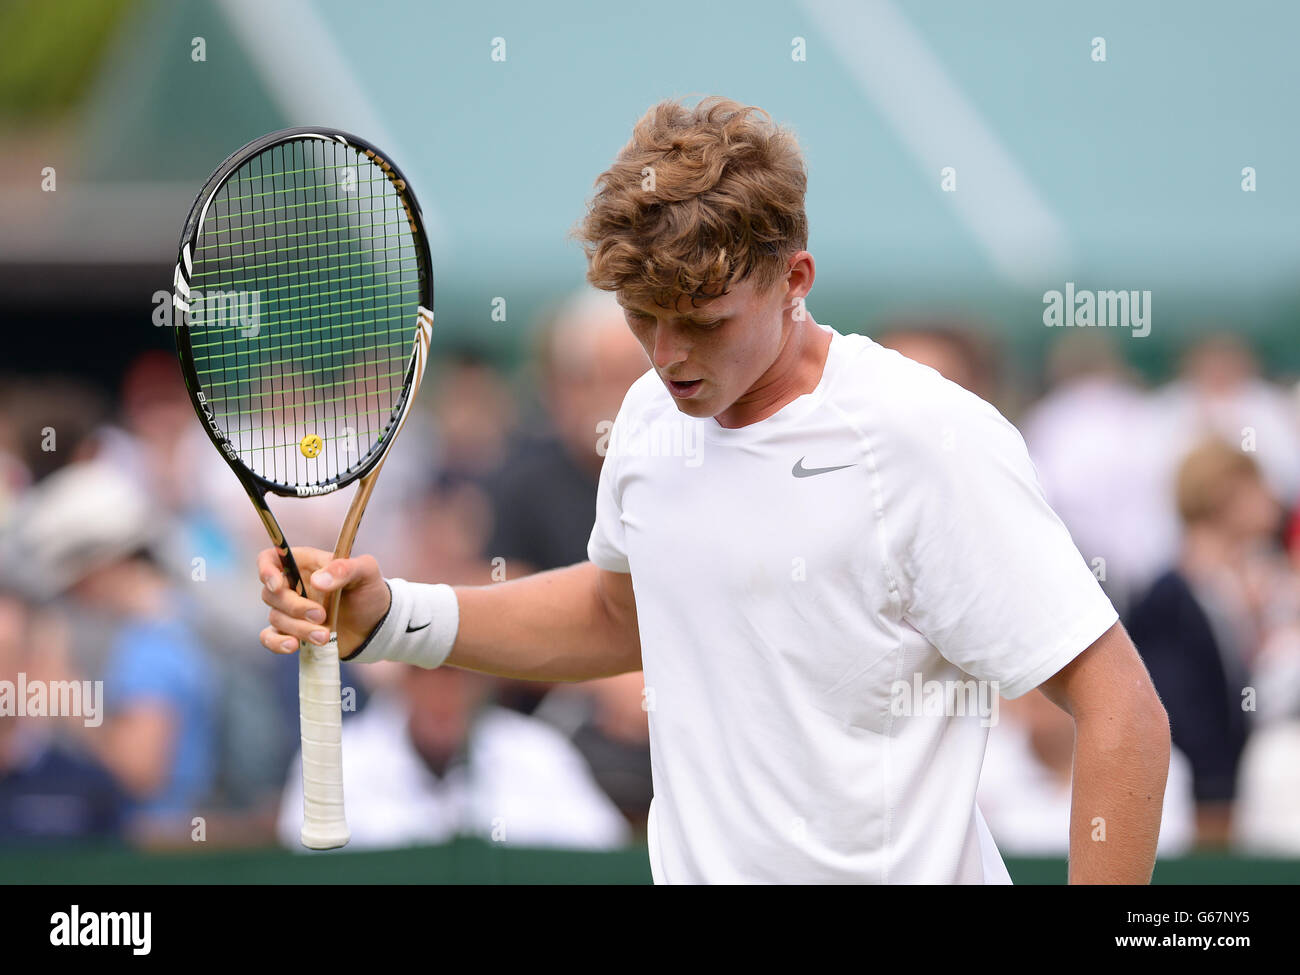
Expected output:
{"points": [[713, 353]]}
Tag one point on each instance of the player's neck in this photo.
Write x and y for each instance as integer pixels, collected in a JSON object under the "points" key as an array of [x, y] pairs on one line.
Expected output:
{"points": [[797, 370]]}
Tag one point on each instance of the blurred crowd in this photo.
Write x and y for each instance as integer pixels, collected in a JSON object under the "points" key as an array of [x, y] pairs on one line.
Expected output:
{"points": [[127, 553]]}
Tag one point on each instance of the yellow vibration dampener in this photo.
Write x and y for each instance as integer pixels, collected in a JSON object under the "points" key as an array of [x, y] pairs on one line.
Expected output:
{"points": [[310, 445]]}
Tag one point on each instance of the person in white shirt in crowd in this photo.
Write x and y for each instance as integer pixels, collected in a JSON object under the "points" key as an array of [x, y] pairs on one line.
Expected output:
{"points": [[1204, 624], [1093, 441], [1220, 393], [430, 758], [794, 528], [1024, 789], [1266, 821]]}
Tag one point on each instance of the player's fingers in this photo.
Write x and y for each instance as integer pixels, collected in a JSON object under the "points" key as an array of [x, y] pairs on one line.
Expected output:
{"points": [[338, 573], [304, 630], [311, 559], [271, 570], [277, 642], [288, 601]]}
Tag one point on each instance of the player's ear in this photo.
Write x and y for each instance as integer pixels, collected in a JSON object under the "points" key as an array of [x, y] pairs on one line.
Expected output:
{"points": [[799, 276]]}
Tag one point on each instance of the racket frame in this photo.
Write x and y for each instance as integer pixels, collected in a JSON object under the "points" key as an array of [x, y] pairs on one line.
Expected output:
{"points": [[324, 823]]}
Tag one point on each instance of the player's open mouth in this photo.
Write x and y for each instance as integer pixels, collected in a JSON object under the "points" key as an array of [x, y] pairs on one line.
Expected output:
{"points": [[683, 390]]}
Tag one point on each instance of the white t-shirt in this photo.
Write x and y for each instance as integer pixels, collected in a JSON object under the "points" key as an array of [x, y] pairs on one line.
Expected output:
{"points": [[791, 576]]}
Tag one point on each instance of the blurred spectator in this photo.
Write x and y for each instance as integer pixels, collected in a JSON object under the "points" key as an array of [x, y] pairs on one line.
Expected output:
{"points": [[1092, 442], [606, 720], [956, 350], [14, 475], [432, 759], [543, 506], [48, 791], [1202, 623], [1219, 392], [50, 421], [451, 522], [85, 532], [156, 418], [1025, 788], [1293, 539], [1266, 821], [1267, 817], [474, 411], [211, 534], [544, 495]]}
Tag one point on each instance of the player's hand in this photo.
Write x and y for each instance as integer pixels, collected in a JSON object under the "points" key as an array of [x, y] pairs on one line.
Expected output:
{"points": [[297, 619]]}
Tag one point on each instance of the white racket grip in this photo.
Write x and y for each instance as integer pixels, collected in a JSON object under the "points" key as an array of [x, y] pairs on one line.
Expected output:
{"points": [[324, 825]]}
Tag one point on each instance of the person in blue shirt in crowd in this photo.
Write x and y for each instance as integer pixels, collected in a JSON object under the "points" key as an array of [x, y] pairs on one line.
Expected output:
{"points": [[49, 793], [84, 534]]}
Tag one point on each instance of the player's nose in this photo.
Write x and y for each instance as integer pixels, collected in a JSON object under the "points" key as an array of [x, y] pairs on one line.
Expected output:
{"points": [[670, 346]]}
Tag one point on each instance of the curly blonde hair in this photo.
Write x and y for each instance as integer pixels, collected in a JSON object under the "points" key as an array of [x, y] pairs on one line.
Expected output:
{"points": [[1207, 478], [699, 200]]}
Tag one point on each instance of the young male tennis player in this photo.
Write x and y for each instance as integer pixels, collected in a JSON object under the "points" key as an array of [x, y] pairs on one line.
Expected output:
{"points": [[828, 560]]}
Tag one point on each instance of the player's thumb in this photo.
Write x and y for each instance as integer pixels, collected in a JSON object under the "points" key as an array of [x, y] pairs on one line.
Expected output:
{"points": [[336, 574]]}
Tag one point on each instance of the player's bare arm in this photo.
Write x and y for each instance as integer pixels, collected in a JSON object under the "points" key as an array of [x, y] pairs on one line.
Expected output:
{"points": [[575, 623], [1121, 761], [569, 624]]}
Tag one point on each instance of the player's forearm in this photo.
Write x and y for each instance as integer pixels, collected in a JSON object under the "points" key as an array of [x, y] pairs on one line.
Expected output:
{"points": [[553, 626], [1121, 762]]}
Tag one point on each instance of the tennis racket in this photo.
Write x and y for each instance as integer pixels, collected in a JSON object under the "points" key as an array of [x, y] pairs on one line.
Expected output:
{"points": [[302, 299]]}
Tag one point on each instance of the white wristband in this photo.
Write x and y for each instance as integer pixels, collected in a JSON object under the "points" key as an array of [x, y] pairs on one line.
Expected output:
{"points": [[420, 627]]}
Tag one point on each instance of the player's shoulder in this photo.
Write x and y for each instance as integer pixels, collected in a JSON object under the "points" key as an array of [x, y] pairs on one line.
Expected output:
{"points": [[888, 390], [917, 423]]}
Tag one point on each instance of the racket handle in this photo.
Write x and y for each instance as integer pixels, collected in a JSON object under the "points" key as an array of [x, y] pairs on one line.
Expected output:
{"points": [[324, 826]]}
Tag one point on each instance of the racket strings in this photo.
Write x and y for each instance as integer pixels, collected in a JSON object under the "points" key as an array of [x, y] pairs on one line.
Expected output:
{"points": [[216, 233], [303, 352]]}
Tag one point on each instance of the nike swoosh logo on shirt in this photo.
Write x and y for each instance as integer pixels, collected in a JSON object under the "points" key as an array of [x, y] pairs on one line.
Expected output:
{"points": [[414, 629], [800, 471]]}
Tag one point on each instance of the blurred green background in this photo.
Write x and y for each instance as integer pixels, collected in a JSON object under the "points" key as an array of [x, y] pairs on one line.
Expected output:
{"points": [[1122, 174]]}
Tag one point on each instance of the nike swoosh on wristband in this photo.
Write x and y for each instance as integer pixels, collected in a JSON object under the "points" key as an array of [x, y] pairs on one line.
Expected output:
{"points": [[800, 471], [416, 629]]}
